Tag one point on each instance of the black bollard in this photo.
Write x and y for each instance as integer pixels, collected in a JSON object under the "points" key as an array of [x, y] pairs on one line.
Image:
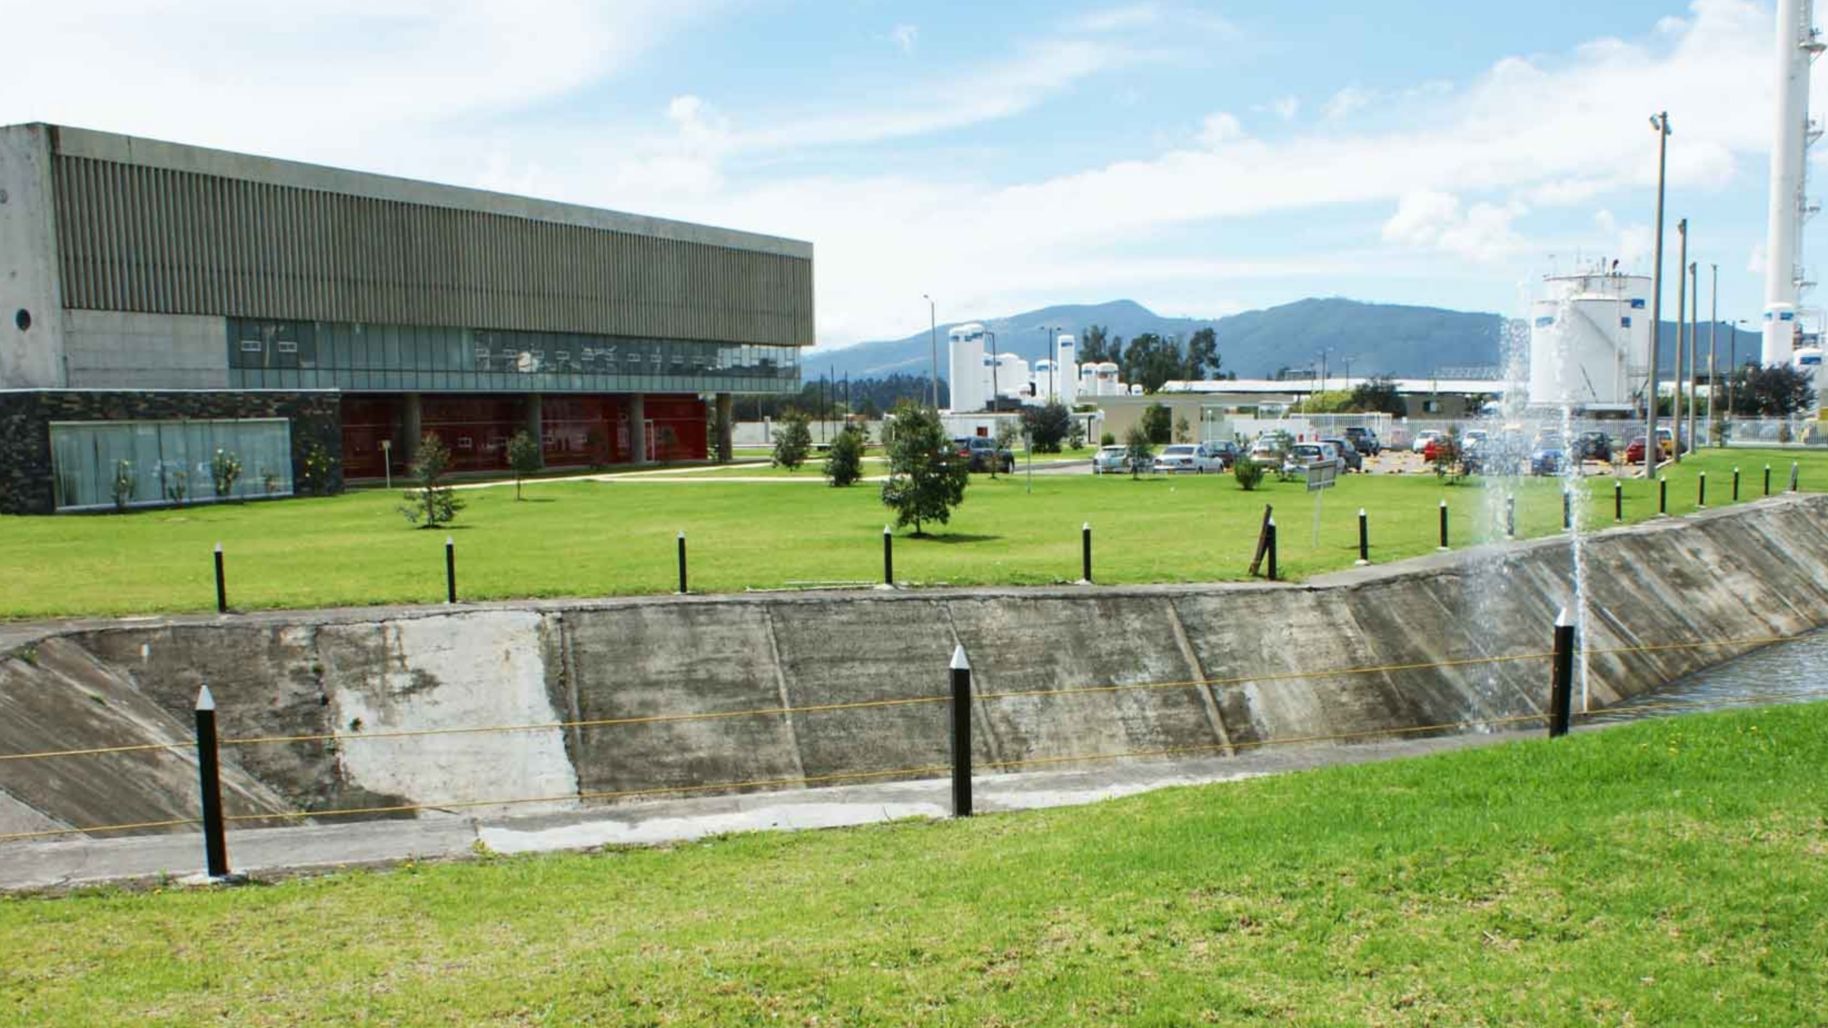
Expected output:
{"points": [[1701, 489], [1618, 501], [1735, 484], [1561, 676], [682, 564], [1767, 479], [1443, 524], [1364, 538], [888, 556], [1793, 475], [1272, 549], [961, 733], [1510, 517], [209, 773], [1085, 552], [1662, 495], [1567, 510], [450, 570], [221, 584]]}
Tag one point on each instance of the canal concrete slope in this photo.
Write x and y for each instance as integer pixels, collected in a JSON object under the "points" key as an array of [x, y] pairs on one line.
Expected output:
{"points": [[558, 705]]}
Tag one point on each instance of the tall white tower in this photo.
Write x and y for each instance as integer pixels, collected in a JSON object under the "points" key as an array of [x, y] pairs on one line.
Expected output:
{"points": [[1796, 48]]}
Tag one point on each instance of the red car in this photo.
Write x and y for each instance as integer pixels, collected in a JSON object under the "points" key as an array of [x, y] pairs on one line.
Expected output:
{"points": [[1634, 454], [1434, 449]]}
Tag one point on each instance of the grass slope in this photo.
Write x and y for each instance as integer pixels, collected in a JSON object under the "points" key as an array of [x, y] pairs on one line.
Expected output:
{"points": [[1661, 873], [585, 538]]}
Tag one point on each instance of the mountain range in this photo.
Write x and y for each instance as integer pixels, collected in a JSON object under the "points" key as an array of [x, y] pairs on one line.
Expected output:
{"points": [[1374, 338]]}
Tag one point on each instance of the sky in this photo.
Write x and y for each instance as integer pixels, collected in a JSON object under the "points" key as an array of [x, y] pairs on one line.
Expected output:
{"points": [[1200, 158]]}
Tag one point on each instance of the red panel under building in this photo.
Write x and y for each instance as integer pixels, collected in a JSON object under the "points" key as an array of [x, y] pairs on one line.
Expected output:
{"points": [[576, 431]]}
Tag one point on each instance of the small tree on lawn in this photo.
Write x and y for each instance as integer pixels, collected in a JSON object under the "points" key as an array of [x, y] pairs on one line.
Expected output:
{"points": [[1075, 436], [1138, 449], [1248, 472], [1007, 433], [1157, 423], [431, 503], [224, 469], [1447, 466], [926, 477], [844, 460], [1047, 425], [792, 440], [524, 457], [1183, 432]]}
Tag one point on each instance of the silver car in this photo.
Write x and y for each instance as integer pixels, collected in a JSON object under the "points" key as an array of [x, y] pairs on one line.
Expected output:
{"points": [[1111, 460], [1198, 458]]}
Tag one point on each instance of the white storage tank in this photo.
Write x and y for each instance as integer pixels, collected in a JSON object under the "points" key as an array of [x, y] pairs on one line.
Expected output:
{"points": [[1590, 341], [1047, 386], [969, 380], [1012, 376], [1066, 367], [1107, 379]]}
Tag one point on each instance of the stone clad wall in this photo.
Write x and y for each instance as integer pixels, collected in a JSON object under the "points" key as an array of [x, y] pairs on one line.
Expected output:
{"points": [[26, 416], [599, 692]]}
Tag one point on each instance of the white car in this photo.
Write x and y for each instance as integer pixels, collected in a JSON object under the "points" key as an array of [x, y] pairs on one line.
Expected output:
{"points": [[1422, 439], [1198, 458], [1306, 455]]}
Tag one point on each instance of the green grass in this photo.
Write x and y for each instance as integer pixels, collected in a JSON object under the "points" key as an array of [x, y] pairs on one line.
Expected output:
{"points": [[589, 538], [1671, 872]]}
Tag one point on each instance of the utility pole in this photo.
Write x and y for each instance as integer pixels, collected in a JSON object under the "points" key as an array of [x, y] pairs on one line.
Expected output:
{"points": [[993, 369], [1694, 344], [1732, 367], [1660, 122], [1675, 408], [933, 338], [1713, 338]]}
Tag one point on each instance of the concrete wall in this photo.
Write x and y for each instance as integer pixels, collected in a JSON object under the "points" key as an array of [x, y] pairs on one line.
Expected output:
{"points": [[1163, 670], [119, 350], [30, 357]]}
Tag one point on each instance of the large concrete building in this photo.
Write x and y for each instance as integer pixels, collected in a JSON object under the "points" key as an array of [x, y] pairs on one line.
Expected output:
{"points": [[161, 301]]}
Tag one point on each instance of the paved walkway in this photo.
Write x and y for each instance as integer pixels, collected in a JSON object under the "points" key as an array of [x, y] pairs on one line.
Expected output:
{"points": [[260, 852]]}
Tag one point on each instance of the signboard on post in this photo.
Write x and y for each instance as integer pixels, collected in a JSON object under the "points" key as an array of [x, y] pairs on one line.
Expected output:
{"points": [[1321, 475]]}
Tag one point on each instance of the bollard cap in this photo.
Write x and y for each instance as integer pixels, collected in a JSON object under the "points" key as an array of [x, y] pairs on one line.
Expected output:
{"points": [[205, 701], [1443, 504], [885, 530], [450, 541], [959, 661], [1087, 527], [682, 533], [218, 547], [1272, 522], [1361, 512], [1563, 619]]}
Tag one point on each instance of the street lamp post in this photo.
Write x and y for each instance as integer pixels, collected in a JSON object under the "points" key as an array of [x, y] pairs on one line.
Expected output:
{"points": [[1732, 367], [1660, 122], [993, 370], [1713, 338], [1675, 404], [1694, 344], [933, 338]]}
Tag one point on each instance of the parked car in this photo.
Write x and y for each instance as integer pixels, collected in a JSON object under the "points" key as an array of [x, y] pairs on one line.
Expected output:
{"points": [[1593, 445], [1434, 448], [1667, 441], [1195, 457], [1227, 451], [1549, 457], [1364, 440], [1111, 460], [1422, 439], [1302, 456], [1634, 451], [982, 454], [1268, 452], [1354, 460]]}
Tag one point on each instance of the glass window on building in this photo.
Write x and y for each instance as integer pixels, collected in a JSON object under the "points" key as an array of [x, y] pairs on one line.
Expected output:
{"points": [[102, 464]]}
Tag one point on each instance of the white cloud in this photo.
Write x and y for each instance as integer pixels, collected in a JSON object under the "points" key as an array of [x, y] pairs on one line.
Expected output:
{"points": [[1345, 103], [1426, 219], [1114, 19], [1285, 107], [1218, 129], [905, 36]]}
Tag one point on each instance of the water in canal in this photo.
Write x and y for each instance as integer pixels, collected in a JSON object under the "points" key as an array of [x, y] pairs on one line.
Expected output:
{"points": [[1789, 672]]}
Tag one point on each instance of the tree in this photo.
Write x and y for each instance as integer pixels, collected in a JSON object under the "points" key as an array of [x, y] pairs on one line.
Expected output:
{"points": [[1202, 355], [844, 460], [1157, 424], [1248, 472], [927, 478], [1773, 392], [1183, 432], [792, 440], [523, 457], [1151, 360], [317, 471], [1075, 436], [1007, 433], [1332, 401], [1047, 425], [431, 503], [1137, 449], [1378, 396], [1094, 345], [224, 469], [1447, 465]]}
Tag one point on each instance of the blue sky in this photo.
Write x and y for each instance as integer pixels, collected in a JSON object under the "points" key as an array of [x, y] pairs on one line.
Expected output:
{"points": [[1202, 158]]}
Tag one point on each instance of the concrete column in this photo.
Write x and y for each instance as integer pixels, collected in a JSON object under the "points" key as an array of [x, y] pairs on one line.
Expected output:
{"points": [[637, 427], [726, 427], [535, 411], [411, 414]]}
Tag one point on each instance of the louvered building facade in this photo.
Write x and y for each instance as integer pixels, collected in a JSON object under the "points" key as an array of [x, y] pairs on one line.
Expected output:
{"points": [[136, 267]]}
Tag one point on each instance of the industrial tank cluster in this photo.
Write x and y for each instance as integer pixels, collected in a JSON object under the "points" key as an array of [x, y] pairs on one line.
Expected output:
{"points": [[979, 372]]}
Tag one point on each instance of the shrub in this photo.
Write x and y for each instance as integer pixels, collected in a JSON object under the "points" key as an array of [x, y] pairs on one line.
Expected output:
{"points": [[1107, 439], [792, 440], [1248, 473], [1183, 432], [1048, 425], [317, 470], [524, 457], [844, 460], [224, 469], [1138, 449], [1157, 422], [431, 503], [926, 477], [1075, 436]]}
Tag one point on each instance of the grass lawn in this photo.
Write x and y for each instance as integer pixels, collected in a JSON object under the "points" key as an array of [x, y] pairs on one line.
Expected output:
{"points": [[586, 538], [1662, 873]]}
